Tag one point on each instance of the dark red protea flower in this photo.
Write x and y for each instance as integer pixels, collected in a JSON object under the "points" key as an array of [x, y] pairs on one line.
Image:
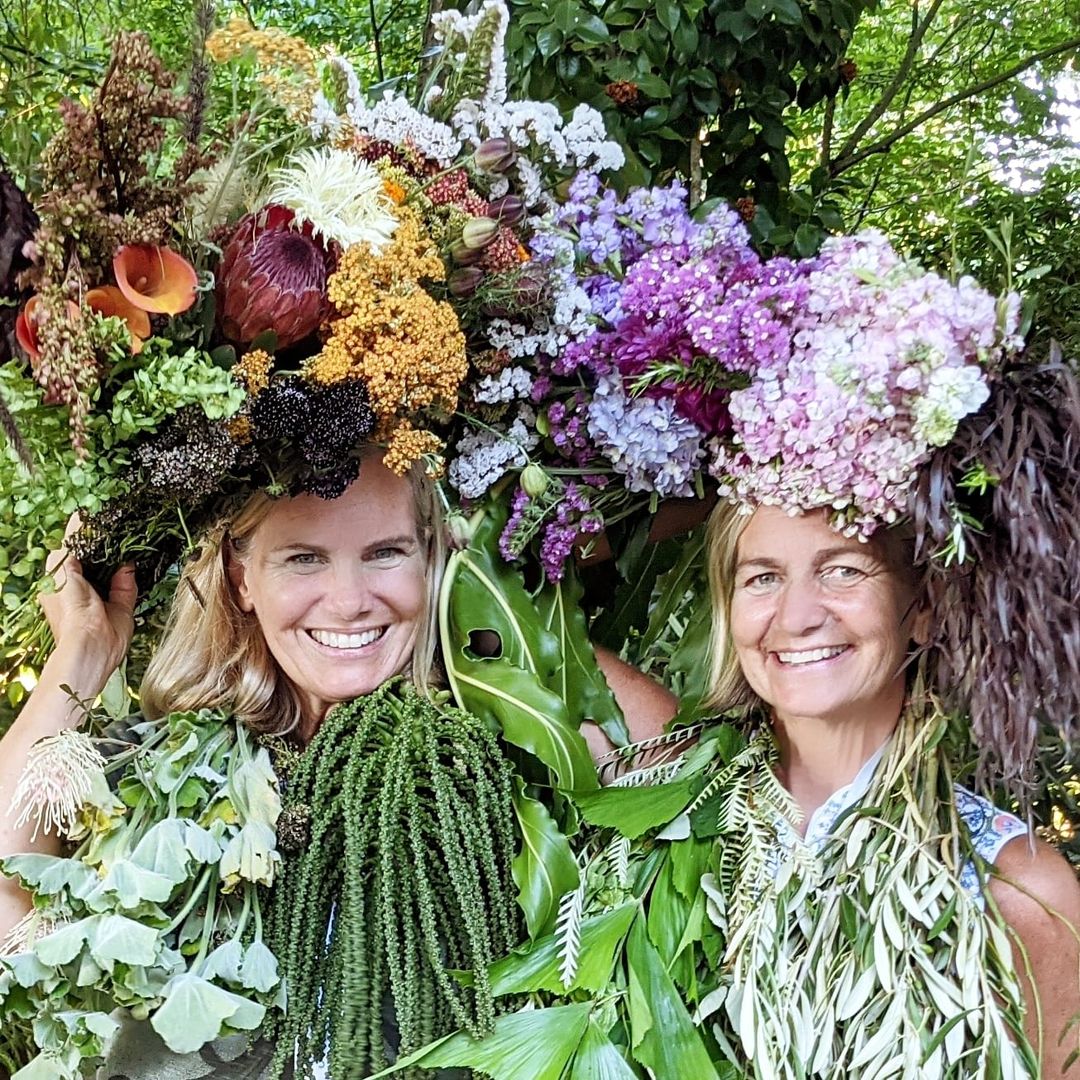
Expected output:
{"points": [[272, 277]]}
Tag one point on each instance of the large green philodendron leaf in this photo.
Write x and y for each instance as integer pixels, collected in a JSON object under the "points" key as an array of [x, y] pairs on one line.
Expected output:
{"points": [[578, 680], [545, 868], [535, 1044], [664, 1037], [540, 967], [480, 592]]}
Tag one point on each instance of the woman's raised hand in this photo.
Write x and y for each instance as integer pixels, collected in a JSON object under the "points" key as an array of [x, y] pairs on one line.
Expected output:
{"points": [[89, 630]]}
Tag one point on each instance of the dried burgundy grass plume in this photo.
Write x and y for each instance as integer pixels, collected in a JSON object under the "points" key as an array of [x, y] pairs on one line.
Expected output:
{"points": [[1006, 635]]}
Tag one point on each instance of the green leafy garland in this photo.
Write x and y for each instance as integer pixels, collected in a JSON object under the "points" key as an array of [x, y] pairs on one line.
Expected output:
{"points": [[402, 810], [693, 948], [868, 959]]}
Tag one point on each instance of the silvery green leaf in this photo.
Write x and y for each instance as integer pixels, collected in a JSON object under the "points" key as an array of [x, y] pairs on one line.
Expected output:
{"points": [[101, 1024], [116, 939], [170, 767], [201, 843], [206, 772], [259, 970], [49, 875], [63, 945], [677, 829], [132, 885], [51, 1067], [163, 850], [196, 1012], [28, 970], [89, 971], [224, 962]]}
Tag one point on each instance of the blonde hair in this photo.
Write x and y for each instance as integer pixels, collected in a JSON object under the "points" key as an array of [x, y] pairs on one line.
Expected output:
{"points": [[727, 686], [213, 655]]}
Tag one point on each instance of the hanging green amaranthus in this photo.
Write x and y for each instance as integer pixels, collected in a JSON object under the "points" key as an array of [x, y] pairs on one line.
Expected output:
{"points": [[399, 817]]}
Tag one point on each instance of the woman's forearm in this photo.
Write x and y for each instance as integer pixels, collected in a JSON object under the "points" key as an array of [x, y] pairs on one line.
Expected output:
{"points": [[68, 680]]}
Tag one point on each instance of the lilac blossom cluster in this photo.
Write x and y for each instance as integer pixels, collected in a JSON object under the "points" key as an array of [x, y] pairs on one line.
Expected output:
{"points": [[882, 360]]}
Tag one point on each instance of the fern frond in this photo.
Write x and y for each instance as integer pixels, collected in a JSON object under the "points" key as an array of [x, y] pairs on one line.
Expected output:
{"points": [[568, 933]]}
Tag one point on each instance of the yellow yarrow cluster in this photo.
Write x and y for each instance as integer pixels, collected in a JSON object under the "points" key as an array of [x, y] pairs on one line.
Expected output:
{"points": [[409, 258], [252, 370], [407, 346], [290, 65], [406, 444]]}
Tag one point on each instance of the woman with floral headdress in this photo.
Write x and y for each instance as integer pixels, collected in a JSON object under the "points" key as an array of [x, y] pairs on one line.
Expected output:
{"points": [[291, 607], [807, 892]]}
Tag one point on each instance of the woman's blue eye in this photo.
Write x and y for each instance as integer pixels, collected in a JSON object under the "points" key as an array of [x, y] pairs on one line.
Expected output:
{"points": [[304, 558]]}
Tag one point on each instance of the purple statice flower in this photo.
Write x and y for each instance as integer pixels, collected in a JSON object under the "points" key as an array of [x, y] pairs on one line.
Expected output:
{"points": [[645, 439], [513, 538], [573, 518], [568, 429]]}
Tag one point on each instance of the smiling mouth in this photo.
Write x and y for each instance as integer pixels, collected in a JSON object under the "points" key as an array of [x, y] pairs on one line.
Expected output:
{"points": [[810, 656], [334, 640]]}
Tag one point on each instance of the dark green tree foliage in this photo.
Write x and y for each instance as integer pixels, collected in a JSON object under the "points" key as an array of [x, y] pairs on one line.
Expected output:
{"points": [[398, 839], [665, 73]]}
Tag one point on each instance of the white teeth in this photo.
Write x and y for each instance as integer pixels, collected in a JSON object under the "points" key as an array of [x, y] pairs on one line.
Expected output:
{"points": [[810, 655], [347, 641]]}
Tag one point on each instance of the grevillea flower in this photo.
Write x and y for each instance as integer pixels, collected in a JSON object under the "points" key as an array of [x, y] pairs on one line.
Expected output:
{"points": [[272, 277], [155, 279], [57, 781], [341, 197], [109, 300]]}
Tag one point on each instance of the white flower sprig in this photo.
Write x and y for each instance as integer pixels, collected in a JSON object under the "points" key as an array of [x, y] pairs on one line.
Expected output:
{"points": [[59, 777]]}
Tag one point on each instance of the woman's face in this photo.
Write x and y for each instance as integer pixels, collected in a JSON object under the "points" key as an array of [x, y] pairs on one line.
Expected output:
{"points": [[339, 587], [820, 623]]}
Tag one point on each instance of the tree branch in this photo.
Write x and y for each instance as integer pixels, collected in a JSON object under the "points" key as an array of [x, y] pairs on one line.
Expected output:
{"points": [[918, 32], [827, 131], [845, 161], [910, 54]]}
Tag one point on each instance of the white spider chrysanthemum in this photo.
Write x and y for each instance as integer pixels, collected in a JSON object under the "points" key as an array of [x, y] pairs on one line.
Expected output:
{"points": [[343, 198], [57, 781]]}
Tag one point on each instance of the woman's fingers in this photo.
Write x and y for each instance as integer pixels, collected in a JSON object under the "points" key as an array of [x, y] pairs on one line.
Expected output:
{"points": [[60, 559], [123, 589]]}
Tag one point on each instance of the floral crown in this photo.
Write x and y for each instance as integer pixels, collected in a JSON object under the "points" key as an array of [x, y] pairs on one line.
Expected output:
{"points": [[237, 317], [852, 381]]}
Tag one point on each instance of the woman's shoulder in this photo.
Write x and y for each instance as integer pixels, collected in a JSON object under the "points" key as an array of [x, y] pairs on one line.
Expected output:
{"points": [[1036, 889]]}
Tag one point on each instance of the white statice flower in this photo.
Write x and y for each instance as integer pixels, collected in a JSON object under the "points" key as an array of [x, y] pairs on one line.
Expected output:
{"points": [[587, 141], [952, 394], [58, 779], [510, 384], [483, 457], [395, 121], [343, 198]]}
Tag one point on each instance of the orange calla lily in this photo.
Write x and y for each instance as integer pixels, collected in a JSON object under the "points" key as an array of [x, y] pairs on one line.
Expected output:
{"points": [[155, 278], [26, 325], [26, 328], [109, 300]]}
